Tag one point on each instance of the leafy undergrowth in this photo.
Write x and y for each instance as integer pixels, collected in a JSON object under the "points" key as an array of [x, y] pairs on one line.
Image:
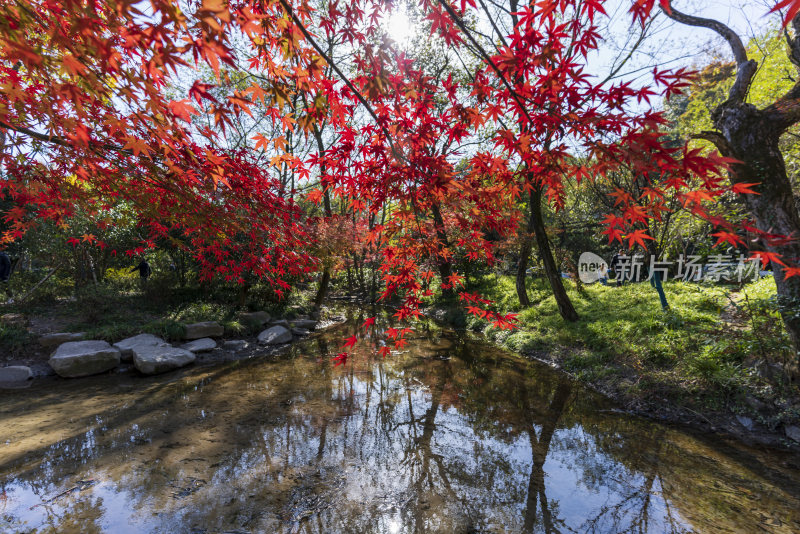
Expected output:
{"points": [[717, 349], [112, 311]]}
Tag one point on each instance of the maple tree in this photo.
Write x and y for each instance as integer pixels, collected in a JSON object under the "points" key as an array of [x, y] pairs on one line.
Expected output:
{"points": [[88, 119]]}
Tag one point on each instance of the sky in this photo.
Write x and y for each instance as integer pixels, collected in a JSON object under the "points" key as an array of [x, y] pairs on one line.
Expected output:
{"points": [[673, 44]]}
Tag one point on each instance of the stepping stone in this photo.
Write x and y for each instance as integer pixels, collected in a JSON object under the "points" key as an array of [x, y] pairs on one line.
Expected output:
{"points": [[205, 329], [235, 345], [15, 376], [300, 332], [127, 345], [276, 335], [52, 340], [280, 322], [200, 345], [83, 358], [150, 360]]}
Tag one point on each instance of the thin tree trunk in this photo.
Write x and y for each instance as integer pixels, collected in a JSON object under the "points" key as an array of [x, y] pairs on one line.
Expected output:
{"points": [[322, 290], [565, 307], [445, 265], [526, 244], [324, 282]]}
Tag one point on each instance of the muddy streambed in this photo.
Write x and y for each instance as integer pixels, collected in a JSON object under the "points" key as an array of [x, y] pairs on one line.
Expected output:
{"points": [[451, 436]]}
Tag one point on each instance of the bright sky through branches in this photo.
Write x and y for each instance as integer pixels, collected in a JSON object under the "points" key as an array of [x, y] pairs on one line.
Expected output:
{"points": [[398, 25]]}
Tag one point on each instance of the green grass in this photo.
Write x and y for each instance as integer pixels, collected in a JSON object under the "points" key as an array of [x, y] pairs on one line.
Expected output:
{"points": [[703, 347]]}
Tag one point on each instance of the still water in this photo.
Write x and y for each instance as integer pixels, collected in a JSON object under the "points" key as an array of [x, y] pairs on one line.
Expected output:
{"points": [[449, 436]]}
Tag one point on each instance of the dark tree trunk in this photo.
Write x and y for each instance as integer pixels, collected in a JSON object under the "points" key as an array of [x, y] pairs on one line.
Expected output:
{"points": [[565, 307], [526, 244], [445, 265], [322, 290], [752, 139]]}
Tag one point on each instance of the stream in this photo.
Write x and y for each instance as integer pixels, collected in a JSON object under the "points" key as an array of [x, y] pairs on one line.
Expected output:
{"points": [[449, 435]]}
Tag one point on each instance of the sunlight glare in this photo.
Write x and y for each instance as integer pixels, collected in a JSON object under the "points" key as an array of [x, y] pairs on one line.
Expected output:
{"points": [[399, 26]]}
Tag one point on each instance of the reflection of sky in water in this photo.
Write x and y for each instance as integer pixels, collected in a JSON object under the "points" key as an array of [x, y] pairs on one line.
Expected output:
{"points": [[405, 444]]}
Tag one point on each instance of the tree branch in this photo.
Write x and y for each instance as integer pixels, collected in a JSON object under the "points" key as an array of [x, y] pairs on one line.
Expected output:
{"points": [[56, 140], [746, 68], [717, 139], [460, 23], [341, 75]]}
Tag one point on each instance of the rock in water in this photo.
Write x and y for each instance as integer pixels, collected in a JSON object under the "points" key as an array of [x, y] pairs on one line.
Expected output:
{"points": [[308, 324], [300, 332], [200, 345], [793, 432], [235, 344], [84, 358], [280, 322], [151, 360], [51, 340], [15, 374], [275, 335], [206, 329], [126, 345]]}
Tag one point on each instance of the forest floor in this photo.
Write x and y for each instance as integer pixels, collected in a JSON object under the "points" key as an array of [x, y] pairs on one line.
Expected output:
{"points": [[714, 360], [112, 313]]}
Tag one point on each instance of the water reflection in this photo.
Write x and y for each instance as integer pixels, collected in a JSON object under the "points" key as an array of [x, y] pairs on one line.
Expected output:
{"points": [[450, 436]]}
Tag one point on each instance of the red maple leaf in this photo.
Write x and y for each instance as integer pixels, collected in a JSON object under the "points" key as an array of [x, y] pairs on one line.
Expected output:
{"points": [[350, 341], [340, 359]]}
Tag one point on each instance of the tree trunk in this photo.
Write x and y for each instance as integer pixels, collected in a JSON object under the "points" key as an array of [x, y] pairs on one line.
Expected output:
{"points": [[526, 237], [445, 265], [751, 138], [565, 307], [323, 287]]}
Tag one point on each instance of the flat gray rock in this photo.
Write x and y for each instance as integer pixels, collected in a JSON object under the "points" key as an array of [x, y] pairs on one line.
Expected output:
{"points": [[205, 329], [300, 332], [260, 317], [235, 345], [275, 335], [52, 340], [200, 345], [308, 324], [280, 322], [84, 358], [793, 433], [151, 360], [15, 373], [126, 345]]}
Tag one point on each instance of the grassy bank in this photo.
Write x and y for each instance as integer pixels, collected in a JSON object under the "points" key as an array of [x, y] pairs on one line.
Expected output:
{"points": [[718, 350]]}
